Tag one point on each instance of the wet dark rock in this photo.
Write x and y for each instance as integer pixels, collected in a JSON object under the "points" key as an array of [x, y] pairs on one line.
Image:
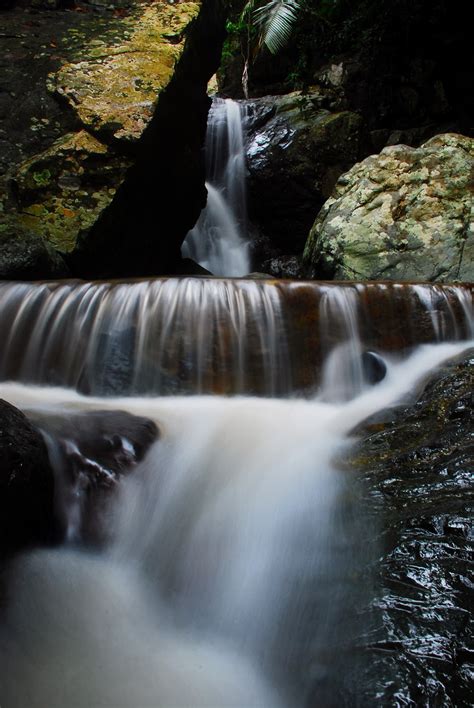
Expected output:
{"points": [[27, 516], [296, 150], [58, 473], [284, 267], [373, 366], [90, 452], [24, 255], [417, 464]]}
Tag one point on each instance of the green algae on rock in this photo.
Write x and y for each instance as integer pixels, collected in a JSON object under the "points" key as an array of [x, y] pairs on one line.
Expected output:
{"points": [[405, 214], [115, 88], [92, 82], [64, 189]]}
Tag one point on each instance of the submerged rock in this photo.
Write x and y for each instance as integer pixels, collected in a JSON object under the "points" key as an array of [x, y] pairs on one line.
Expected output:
{"points": [[417, 464], [373, 366], [296, 151], [405, 214]]}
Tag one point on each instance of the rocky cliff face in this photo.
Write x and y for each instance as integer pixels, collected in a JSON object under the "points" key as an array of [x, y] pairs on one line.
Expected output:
{"points": [[93, 82], [405, 214]]}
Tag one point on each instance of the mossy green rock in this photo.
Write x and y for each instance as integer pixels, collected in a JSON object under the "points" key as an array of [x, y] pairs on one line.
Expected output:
{"points": [[64, 189], [80, 87], [405, 214], [114, 90]]}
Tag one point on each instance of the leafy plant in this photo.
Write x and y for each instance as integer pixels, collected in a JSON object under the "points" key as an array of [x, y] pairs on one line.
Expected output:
{"points": [[274, 20]]}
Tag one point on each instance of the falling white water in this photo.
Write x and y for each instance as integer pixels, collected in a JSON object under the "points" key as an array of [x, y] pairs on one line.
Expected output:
{"points": [[219, 242], [237, 546], [343, 375], [195, 335]]}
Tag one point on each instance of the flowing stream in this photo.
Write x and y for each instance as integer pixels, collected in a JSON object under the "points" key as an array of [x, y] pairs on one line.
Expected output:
{"points": [[239, 549], [218, 242]]}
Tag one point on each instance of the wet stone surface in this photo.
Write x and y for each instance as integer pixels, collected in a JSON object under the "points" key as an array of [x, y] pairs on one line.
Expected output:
{"points": [[418, 470]]}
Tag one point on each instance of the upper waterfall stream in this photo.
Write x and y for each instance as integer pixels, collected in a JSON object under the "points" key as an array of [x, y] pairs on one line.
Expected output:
{"points": [[239, 550], [219, 241]]}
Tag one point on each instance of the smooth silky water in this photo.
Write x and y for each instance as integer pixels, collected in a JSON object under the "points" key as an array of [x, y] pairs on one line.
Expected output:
{"points": [[219, 240], [239, 553]]}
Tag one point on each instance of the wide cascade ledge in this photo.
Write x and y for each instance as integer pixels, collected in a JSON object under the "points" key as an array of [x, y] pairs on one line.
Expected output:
{"points": [[210, 335]]}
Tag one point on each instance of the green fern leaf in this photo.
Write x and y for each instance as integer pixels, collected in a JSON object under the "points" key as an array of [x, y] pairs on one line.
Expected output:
{"points": [[276, 19]]}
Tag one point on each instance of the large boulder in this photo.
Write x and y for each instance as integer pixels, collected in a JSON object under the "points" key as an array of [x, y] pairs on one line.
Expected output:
{"points": [[405, 214], [296, 151], [80, 90]]}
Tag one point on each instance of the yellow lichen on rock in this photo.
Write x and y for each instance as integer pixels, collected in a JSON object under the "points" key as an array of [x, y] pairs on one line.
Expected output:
{"points": [[115, 89], [63, 189]]}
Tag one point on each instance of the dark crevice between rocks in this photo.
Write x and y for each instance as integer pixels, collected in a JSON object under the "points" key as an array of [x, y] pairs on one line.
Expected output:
{"points": [[140, 233]]}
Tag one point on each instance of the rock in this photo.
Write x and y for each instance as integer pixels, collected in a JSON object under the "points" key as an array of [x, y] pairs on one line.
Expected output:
{"points": [[115, 86], [79, 90], [62, 190], [163, 192], [283, 267], [417, 466], [296, 151], [373, 366], [58, 472], [90, 452], [27, 515], [405, 214], [24, 255]]}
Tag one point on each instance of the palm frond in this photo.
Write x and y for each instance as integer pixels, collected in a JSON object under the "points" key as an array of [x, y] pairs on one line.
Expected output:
{"points": [[276, 19], [248, 10]]}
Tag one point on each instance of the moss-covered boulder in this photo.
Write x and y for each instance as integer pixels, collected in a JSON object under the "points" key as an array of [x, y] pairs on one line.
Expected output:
{"points": [[405, 214], [64, 189], [79, 88], [296, 150], [114, 86]]}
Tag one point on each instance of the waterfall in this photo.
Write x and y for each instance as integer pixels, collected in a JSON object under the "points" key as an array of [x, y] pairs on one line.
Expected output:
{"points": [[193, 335], [218, 242], [239, 550]]}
